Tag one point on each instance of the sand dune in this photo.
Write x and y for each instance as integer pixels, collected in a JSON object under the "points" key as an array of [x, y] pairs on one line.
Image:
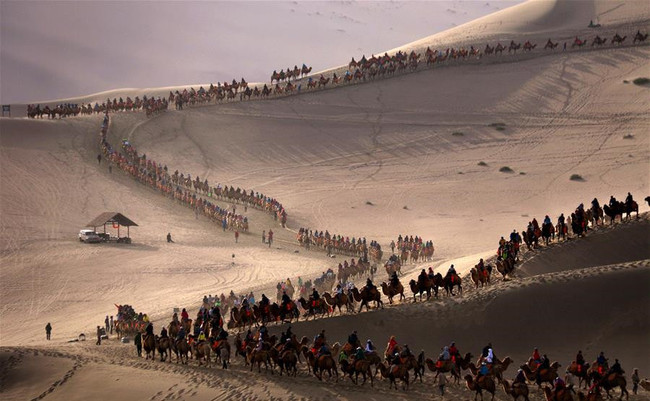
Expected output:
{"points": [[397, 156]]}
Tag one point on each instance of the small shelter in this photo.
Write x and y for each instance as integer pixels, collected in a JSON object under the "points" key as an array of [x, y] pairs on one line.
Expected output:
{"points": [[116, 220]]}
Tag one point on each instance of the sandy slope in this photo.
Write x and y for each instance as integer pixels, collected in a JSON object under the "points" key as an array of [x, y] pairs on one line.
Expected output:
{"points": [[324, 156]]}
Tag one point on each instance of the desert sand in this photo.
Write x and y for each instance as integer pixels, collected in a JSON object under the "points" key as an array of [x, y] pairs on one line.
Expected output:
{"points": [[395, 156]]}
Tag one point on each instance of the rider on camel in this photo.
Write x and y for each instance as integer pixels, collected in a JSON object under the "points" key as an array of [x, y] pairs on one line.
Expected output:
{"points": [[594, 204], [547, 220], [601, 361], [445, 354], [323, 350], [543, 365], [223, 334], [184, 315], [520, 378], [285, 299], [264, 301], [370, 347], [423, 276], [175, 317], [616, 368], [260, 344], [451, 270], [559, 386], [392, 343], [201, 336], [580, 361], [163, 332], [536, 357], [406, 352], [339, 292], [249, 337], [369, 284], [394, 281], [149, 329], [453, 351], [353, 339], [181, 334], [359, 354], [612, 201], [482, 372], [628, 200]]}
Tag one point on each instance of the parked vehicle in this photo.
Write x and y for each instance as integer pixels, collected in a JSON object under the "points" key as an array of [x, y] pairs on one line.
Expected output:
{"points": [[89, 236]]}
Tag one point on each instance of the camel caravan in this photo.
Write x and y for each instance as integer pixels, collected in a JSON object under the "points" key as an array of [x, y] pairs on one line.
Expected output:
{"points": [[195, 194], [149, 105], [357, 71], [184, 339]]}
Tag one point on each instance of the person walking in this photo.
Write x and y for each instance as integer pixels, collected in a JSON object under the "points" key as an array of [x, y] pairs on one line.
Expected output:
{"points": [[99, 335], [99, 158], [264, 236], [169, 238], [138, 343], [236, 236], [635, 380], [270, 237], [442, 382], [112, 324], [48, 331], [107, 324]]}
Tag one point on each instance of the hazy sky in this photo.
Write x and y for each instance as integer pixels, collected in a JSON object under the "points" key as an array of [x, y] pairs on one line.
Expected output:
{"points": [[54, 49]]}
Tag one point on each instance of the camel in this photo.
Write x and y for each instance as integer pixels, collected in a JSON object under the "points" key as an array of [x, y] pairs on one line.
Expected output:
{"points": [[337, 302], [505, 267], [580, 372], [483, 383], [393, 373], [149, 345], [640, 37], [366, 296], [393, 267], [483, 278], [545, 376], [617, 39], [444, 367], [528, 46], [516, 390], [358, 367], [181, 348], [404, 256], [420, 287], [578, 42], [451, 281], [164, 346], [321, 364], [562, 395], [497, 369], [258, 357], [613, 380], [314, 307], [201, 351], [598, 41], [514, 46], [392, 290], [289, 362], [551, 45]]}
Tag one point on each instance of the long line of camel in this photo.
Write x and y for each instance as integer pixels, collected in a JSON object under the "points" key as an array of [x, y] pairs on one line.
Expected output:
{"points": [[357, 71]]}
